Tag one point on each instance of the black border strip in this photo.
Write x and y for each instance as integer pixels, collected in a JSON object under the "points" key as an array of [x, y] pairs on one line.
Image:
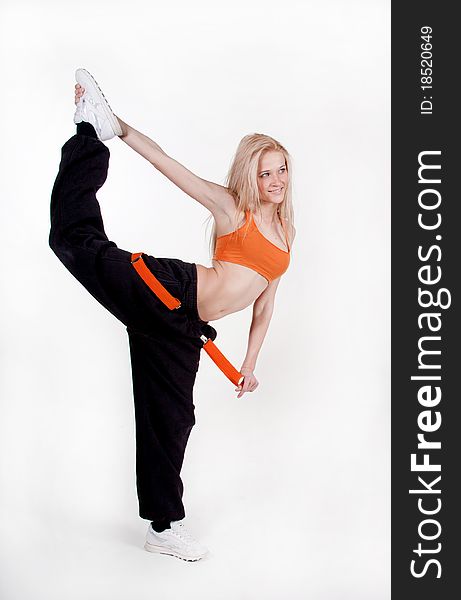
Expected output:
{"points": [[425, 134]]}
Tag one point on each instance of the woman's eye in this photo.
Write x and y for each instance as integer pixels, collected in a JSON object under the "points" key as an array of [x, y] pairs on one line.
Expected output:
{"points": [[282, 170]]}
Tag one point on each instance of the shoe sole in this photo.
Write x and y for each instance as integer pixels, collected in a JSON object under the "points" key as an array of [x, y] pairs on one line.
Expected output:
{"points": [[163, 550], [87, 81]]}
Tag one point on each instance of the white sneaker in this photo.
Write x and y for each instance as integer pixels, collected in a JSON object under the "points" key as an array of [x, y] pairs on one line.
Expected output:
{"points": [[175, 541], [94, 108]]}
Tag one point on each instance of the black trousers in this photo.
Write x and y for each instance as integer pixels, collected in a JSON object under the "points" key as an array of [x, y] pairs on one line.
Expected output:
{"points": [[164, 345]]}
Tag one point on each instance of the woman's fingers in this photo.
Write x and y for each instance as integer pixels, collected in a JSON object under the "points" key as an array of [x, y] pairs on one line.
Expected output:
{"points": [[79, 91], [243, 388], [249, 385]]}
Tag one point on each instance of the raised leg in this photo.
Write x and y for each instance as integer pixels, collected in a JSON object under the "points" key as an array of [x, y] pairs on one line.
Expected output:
{"points": [[78, 238]]}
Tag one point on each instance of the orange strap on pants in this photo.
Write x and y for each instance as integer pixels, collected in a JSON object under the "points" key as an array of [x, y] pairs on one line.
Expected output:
{"points": [[159, 290], [171, 302], [221, 361]]}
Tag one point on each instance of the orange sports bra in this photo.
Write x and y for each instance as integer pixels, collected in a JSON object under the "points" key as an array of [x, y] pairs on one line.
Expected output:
{"points": [[250, 248]]}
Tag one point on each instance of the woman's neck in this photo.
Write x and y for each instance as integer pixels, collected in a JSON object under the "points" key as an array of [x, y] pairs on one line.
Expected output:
{"points": [[268, 213]]}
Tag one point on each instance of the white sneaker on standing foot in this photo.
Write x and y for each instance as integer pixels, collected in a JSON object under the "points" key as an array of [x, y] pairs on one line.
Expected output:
{"points": [[175, 541], [93, 108]]}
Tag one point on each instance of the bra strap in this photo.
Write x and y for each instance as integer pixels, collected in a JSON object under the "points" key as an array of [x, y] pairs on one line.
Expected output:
{"points": [[284, 231]]}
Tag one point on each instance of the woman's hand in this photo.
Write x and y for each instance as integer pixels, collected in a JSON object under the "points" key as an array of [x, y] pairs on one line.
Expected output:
{"points": [[79, 91], [249, 384]]}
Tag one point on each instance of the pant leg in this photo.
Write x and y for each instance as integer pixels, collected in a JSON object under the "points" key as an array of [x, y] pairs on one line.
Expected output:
{"points": [[164, 365], [78, 238], [163, 370]]}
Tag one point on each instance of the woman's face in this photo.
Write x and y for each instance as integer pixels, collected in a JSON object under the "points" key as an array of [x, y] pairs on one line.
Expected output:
{"points": [[272, 177]]}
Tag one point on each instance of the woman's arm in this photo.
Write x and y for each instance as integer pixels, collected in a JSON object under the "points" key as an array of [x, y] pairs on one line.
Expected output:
{"points": [[214, 197], [262, 314]]}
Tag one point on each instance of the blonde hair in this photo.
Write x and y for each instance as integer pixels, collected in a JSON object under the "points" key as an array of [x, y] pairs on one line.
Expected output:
{"points": [[242, 179]]}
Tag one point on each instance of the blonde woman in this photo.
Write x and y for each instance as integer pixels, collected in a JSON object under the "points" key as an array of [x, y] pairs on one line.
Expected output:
{"points": [[252, 238]]}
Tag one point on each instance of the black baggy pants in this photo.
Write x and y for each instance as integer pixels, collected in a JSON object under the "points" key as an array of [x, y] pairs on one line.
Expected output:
{"points": [[164, 345]]}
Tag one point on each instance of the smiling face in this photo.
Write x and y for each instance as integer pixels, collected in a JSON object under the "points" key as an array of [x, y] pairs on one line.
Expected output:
{"points": [[272, 177]]}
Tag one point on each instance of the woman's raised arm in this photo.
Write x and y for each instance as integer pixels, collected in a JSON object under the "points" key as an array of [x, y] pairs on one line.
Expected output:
{"points": [[213, 196]]}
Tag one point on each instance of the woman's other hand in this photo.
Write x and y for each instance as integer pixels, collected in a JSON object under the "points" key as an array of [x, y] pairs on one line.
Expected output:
{"points": [[249, 384]]}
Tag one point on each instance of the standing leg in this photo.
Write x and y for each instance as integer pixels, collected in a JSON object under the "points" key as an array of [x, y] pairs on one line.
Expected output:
{"points": [[164, 369]]}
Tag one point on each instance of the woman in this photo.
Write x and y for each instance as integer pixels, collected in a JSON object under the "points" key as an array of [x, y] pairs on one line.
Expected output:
{"points": [[252, 237]]}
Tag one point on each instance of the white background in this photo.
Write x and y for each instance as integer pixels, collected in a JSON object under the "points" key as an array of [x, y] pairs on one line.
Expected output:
{"points": [[289, 487]]}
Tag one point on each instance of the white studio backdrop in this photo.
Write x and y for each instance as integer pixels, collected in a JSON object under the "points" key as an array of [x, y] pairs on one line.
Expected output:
{"points": [[289, 486]]}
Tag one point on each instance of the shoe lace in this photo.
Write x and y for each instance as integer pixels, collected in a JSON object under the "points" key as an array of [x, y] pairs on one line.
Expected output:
{"points": [[94, 115], [179, 529], [90, 100]]}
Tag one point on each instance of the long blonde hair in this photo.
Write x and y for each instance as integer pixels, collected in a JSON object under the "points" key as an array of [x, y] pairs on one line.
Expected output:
{"points": [[242, 179]]}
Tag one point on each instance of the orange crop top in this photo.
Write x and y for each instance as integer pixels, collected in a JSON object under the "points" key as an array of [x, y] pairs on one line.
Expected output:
{"points": [[250, 248]]}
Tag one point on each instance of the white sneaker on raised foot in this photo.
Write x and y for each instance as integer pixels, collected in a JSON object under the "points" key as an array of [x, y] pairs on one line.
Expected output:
{"points": [[175, 541], [94, 108]]}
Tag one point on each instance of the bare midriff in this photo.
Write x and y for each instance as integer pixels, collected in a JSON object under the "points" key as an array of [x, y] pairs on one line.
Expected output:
{"points": [[226, 288]]}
